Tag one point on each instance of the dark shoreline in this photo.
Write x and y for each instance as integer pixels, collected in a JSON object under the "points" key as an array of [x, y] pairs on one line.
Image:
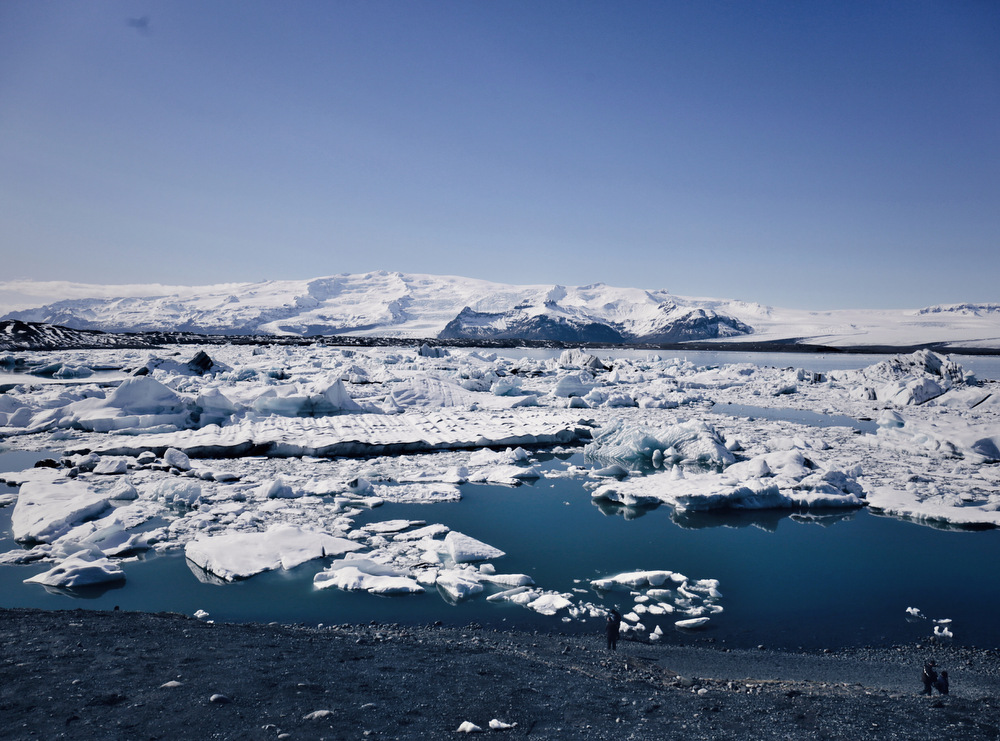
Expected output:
{"points": [[18, 336], [101, 675]]}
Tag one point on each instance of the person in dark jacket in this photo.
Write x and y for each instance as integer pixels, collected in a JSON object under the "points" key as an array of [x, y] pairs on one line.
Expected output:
{"points": [[941, 683], [613, 628], [929, 676]]}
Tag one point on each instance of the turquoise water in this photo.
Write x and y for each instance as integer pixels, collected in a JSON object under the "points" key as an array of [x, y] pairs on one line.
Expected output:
{"points": [[843, 580]]}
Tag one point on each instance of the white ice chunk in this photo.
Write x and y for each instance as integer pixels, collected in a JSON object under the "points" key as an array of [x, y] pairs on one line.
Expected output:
{"points": [[507, 580], [639, 579], [692, 623], [137, 403], [459, 584], [463, 548], [418, 493], [79, 570], [364, 575], [111, 465], [177, 459], [574, 384], [550, 604]]}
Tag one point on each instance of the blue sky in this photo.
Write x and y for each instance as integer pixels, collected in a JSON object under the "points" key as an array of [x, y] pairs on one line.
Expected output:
{"points": [[803, 154]]}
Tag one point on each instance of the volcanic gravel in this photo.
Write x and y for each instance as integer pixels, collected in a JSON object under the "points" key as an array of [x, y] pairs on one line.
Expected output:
{"points": [[86, 674]]}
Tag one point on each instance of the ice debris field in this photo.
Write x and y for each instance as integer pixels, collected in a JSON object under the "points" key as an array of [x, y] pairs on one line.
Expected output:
{"points": [[257, 458]]}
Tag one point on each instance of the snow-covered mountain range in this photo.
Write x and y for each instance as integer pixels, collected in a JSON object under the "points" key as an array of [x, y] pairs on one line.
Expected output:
{"points": [[448, 307]]}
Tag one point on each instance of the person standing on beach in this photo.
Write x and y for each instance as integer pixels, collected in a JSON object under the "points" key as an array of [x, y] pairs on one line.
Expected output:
{"points": [[929, 676], [613, 628], [942, 683]]}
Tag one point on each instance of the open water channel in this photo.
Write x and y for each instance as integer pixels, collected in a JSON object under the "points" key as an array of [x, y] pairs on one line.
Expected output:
{"points": [[787, 580]]}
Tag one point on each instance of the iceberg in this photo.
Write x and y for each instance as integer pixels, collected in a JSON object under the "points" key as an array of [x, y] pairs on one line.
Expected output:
{"points": [[138, 403], [292, 401], [463, 548], [79, 570], [687, 442]]}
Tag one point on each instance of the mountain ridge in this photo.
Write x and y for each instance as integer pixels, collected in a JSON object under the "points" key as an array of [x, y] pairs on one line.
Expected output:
{"points": [[418, 306]]}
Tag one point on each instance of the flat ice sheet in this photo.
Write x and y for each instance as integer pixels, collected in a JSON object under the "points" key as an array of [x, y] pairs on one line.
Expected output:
{"points": [[364, 434]]}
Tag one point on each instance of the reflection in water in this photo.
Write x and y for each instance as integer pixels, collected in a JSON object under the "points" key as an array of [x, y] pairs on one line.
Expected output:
{"points": [[764, 519], [91, 591], [205, 577], [951, 527], [612, 509], [801, 416], [824, 519]]}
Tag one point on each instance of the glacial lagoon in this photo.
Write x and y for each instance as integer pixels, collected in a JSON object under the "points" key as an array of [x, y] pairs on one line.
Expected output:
{"points": [[787, 577]]}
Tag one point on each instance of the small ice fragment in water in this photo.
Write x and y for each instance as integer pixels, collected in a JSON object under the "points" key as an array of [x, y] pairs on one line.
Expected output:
{"points": [[317, 715]]}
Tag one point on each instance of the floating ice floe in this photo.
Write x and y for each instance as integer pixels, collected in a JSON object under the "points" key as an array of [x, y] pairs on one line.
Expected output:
{"points": [[46, 510], [240, 555], [361, 574], [463, 548]]}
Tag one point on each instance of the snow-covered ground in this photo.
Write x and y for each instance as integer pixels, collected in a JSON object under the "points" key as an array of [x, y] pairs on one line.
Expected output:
{"points": [[261, 458]]}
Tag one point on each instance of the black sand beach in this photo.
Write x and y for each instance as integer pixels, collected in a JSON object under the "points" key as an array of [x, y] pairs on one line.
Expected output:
{"points": [[116, 675]]}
